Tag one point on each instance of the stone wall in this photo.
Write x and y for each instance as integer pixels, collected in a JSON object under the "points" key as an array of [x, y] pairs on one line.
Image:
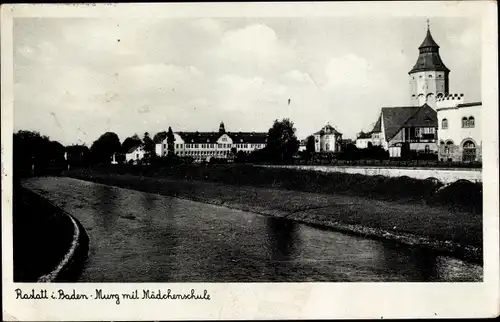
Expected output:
{"points": [[443, 175]]}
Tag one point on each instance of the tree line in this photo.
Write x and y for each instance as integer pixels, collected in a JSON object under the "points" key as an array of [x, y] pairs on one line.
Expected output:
{"points": [[34, 150]]}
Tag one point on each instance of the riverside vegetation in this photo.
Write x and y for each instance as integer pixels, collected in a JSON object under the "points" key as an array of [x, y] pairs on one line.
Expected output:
{"points": [[419, 212]]}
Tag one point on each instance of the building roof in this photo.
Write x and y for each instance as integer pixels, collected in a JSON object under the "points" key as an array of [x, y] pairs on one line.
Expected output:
{"points": [[364, 135], [428, 41], [396, 118], [248, 137], [470, 104], [131, 150], [428, 58], [328, 129], [199, 137], [212, 137], [377, 127]]}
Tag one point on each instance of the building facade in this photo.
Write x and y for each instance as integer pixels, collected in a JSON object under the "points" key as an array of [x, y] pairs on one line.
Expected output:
{"points": [[459, 129], [202, 146], [328, 139]]}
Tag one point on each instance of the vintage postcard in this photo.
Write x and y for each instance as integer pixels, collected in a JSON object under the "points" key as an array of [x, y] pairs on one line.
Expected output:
{"points": [[250, 161]]}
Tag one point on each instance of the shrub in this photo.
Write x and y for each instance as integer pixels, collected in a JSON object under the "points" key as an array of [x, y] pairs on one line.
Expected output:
{"points": [[462, 194]]}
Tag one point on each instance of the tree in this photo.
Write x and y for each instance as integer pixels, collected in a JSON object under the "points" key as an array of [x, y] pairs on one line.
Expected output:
{"points": [[160, 136], [170, 141], [241, 157], [310, 147], [149, 147], [310, 144], [33, 151], [282, 144], [131, 142], [77, 155], [104, 147]]}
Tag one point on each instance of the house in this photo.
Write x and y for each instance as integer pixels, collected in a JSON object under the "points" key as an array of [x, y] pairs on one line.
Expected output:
{"points": [[135, 154], [459, 129], [303, 145], [202, 146], [327, 139], [406, 128], [367, 140]]}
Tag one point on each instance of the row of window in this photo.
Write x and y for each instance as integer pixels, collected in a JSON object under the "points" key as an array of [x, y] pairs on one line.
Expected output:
{"points": [[466, 122], [468, 147], [199, 153], [220, 146], [430, 76], [419, 132]]}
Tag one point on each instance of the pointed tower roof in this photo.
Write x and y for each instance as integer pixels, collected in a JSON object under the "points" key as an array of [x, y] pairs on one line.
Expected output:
{"points": [[428, 58], [428, 41]]}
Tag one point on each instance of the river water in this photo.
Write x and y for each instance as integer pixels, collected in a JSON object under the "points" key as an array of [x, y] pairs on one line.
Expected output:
{"points": [[142, 237]]}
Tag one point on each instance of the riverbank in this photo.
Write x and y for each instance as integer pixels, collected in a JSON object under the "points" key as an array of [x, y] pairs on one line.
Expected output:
{"points": [[451, 232], [48, 244], [465, 197]]}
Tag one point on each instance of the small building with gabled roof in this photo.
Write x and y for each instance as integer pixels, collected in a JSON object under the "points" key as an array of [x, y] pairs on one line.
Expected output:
{"points": [[327, 139], [135, 154]]}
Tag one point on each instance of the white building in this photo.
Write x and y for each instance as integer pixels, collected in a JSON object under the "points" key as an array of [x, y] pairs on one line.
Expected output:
{"points": [[459, 129], [367, 140], [327, 139], [202, 146], [135, 154]]}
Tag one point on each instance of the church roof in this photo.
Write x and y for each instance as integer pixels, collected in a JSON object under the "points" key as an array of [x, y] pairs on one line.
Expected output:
{"points": [[395, 118], [428, 58], [428, 41]]}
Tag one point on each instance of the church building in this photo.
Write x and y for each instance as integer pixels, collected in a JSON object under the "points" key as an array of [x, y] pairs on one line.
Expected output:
{"points": [[418, 126]]}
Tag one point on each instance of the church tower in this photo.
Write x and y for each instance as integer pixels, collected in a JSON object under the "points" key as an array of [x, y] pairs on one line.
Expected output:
{"points": [[429, 76]]}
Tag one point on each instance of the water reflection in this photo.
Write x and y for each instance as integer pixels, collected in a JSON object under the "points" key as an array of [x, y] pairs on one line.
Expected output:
{"points": [[416, 264], [107, 205], [283, 238]]}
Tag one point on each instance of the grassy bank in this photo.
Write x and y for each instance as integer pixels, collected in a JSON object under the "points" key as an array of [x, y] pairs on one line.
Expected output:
{"points": [[42, 235], [466, 197], [453, 232]]}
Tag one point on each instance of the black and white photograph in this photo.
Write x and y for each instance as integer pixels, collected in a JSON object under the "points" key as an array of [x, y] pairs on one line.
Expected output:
{"points": [[218, 148]]}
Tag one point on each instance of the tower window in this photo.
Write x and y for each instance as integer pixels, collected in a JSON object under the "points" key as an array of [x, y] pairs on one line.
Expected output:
{"points": [[430, 76], [471, 122], [444, 123], [465, 122]]}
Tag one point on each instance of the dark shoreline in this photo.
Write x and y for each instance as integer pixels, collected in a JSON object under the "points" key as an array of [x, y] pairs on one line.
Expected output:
{"points": [[54, 230]]}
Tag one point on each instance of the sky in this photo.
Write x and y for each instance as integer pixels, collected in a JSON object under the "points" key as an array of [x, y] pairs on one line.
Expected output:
{"points": [[76, 78]]}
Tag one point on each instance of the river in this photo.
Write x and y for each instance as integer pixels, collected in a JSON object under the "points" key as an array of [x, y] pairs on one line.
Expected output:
{"points": [[142, 237]]}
